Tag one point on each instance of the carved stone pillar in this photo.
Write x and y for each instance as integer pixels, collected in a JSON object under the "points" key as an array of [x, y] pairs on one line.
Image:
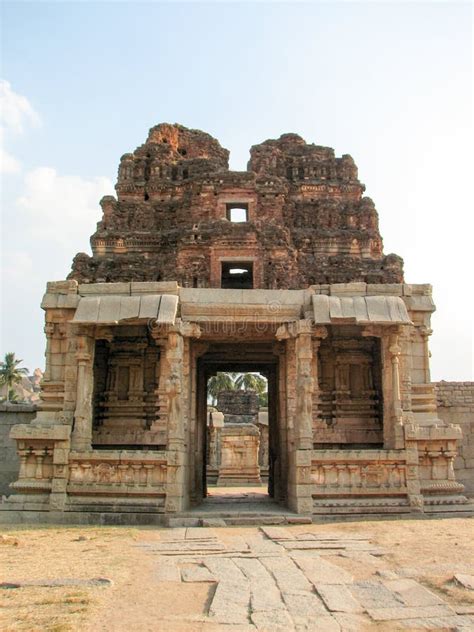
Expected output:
{"points": [[304, 386], [425, 333], [405, 341], [279, 436], [197, 423], [300, 451], [49, 331], [173, 387], [319, 333], [177, 389], [82, 432], [397, 413]]}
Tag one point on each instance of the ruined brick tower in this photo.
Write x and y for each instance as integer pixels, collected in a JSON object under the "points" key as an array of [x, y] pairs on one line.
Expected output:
{"points": [[301, 218]]}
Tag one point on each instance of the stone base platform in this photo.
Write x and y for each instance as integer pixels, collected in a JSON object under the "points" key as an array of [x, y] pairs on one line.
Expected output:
{"points": [[199, 517], [238, 481], [227, 506], [105, 518]]}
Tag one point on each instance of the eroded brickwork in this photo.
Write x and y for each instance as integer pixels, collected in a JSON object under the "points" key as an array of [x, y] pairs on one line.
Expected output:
{"points": [[307, 219]]}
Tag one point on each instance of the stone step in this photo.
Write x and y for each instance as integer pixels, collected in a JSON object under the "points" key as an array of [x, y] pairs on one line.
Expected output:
{"points": [[197, 519], [262, 520], [341, 509], [464, 510]]}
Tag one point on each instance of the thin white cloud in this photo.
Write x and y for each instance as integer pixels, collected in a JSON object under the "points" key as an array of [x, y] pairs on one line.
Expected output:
{"points": [[62, 210], [16, 113], [8, 163], [15, 110]]}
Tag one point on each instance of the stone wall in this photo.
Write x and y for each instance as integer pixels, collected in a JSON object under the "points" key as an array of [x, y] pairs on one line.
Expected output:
{"points": [[456, 406], [238, 406], [11, 414]]}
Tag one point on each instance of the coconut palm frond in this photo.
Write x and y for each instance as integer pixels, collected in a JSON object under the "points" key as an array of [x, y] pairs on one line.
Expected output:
{"points": [[11, 373]]}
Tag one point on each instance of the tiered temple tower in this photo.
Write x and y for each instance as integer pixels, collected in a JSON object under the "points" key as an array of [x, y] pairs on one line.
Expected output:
{"points": [[306, 220]]}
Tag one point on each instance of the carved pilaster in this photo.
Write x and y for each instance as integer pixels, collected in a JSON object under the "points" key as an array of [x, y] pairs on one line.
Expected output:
{"points": [[425, 333], [397, 414], [82, 433], [174, 388], [405, 341], [49, 332], [319, 333], [304, 385]]}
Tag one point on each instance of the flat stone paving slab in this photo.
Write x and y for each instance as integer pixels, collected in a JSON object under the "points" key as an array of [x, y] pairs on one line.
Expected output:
{"points": [[412, 593], [372, 594], [427, 569], [319, 571], [338, 537], [230, 603], [397, 613], [57, 583], [277, 533], [264, 593], [272, 621], [276, 579], [260, 544], [167, 571], [437, 624], [289, 578], [304, 606], [350, 622], [226, 571], [338, 598], [466, 581], [200, 533], [197, 573]]}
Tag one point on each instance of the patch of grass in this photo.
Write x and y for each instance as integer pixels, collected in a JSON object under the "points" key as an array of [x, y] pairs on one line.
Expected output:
{"points": [[59, 627], [77, 600], [448, 589]]}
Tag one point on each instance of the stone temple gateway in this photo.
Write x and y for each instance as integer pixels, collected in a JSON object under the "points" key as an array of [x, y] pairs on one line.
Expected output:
{"points": [[198, 269]]}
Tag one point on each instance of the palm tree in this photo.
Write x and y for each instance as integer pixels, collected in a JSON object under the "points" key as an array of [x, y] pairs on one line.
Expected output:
{"points": [[251, 382], [220, 382], [11, 373], [12, 396]]}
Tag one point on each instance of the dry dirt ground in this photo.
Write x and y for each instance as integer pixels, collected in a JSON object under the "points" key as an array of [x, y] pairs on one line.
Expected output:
{"points": [[344, 576]]}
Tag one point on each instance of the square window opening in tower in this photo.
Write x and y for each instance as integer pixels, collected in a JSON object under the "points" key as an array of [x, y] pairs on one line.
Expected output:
{"points": [[237, 275], [237, 212]]}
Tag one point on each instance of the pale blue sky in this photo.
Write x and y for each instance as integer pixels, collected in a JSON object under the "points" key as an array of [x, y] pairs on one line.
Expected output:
{"points": [[391, 84]]}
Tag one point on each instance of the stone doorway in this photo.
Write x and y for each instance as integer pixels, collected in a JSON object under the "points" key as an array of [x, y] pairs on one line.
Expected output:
{"points": [[237, 430], [258, 479]]}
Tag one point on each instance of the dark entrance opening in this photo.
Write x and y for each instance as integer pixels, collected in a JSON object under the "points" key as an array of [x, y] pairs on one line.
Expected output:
{"points": [[237, 275], [234, 358], [237, 431]]}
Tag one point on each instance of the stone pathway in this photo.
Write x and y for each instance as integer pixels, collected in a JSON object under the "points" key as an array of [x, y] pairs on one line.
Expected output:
{"points": [[281, 580]]}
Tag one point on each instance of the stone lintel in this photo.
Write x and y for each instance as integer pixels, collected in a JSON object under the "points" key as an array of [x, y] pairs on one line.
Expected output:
{"points": [[62, 287], [345, 456], [51, 433], [434, 432], [102, 456]]}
